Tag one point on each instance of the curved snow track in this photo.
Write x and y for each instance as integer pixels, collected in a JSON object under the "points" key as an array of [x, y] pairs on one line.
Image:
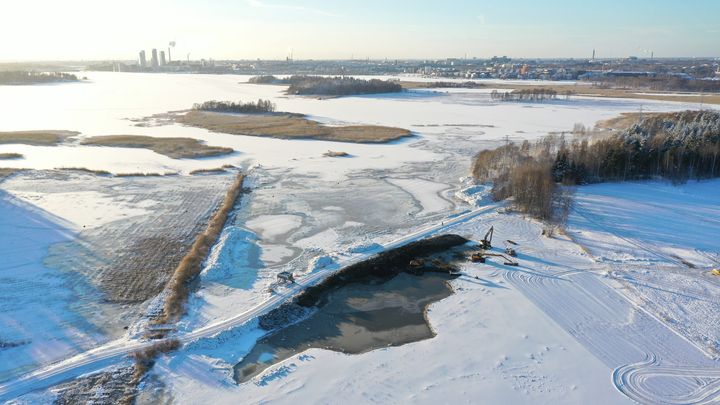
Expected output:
{"points": [[588, 309], [635, 380]]}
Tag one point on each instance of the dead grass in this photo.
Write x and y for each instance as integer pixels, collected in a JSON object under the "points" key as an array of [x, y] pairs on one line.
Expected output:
{"points": [[145, 358], [289, 126], [139, 174], [85, 170], [191, 264], [10, 156], [6, 172], [621, 122], [37, 138], [176, 148], [332, 153], [214, 170]]}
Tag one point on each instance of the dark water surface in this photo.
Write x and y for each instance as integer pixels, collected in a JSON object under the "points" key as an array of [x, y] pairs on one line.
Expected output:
{"points": [[355, 318]]}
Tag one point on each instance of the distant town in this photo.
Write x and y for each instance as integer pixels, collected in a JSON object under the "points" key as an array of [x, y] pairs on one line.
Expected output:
{"points": [[497, 67]]}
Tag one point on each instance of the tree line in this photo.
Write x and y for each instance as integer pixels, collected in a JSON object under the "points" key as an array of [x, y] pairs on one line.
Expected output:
{"points": [[257, 107], [675, 146], [515, 172], [21, 77]]}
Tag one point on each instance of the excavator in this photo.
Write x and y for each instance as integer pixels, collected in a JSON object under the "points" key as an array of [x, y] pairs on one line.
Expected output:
{"points": [[486, 242], [480, 257]]}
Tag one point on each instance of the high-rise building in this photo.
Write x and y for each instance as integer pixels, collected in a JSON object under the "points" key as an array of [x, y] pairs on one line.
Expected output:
{"points": [[162, 58], [142, 60], [154, 60]]}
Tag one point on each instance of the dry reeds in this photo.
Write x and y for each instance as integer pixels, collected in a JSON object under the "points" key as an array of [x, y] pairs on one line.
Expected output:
{"points": [[10, 156], [38, 138], [141, 174], [332, 153], [85, 170], [289, 126], [191, 265], [145, 358], [176, 148]]}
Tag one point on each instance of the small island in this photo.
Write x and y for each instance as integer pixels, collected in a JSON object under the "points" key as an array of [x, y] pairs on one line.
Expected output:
{"points": [[330, 86], [11, 156], [36, 138], [23, 77], [260, 119], [175, 148], [535, 94]]}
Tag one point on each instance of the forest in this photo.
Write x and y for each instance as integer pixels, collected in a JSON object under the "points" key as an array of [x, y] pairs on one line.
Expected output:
{"points": [[258, 107], [330, 86], [21, 77], [674, 146]]}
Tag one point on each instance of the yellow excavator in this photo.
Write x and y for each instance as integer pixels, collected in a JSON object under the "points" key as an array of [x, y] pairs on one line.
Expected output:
{"points": [[486, 244], [480, 257]]}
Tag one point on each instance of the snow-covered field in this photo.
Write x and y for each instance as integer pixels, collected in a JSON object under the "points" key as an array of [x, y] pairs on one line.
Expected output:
{"points": [[561, 328], [37, 325], [659, 242]]}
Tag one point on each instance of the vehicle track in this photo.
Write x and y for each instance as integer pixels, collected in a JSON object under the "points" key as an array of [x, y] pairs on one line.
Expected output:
{"points": [[633, 380], [642, 246], [589, 310], [585, 306]]}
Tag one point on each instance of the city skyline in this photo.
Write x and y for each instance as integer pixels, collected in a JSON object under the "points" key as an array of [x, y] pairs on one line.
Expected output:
{"points": [[250, 29]]}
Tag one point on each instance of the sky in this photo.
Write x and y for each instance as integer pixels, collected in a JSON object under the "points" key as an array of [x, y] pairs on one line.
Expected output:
{"points": [[377, 29]]}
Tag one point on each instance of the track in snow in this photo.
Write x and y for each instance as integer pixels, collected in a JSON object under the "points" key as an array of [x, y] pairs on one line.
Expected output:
{"points": [[617, 332], [634, 380]]}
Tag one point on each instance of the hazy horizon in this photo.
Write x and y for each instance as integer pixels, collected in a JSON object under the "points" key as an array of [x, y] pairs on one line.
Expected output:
{"points": [[319, 29]]}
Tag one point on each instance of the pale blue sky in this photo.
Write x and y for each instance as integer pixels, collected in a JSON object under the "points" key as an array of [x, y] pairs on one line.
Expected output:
{"points": [[322, 29]]}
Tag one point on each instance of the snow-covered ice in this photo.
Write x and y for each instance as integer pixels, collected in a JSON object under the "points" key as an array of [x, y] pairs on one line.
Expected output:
{"points": [[561, 328], [37, 322]]}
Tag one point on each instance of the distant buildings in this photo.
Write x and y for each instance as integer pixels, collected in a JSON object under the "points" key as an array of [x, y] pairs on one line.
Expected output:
{"points": [[154, 61], [142, 60], [498, 67], [158, 61]]}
